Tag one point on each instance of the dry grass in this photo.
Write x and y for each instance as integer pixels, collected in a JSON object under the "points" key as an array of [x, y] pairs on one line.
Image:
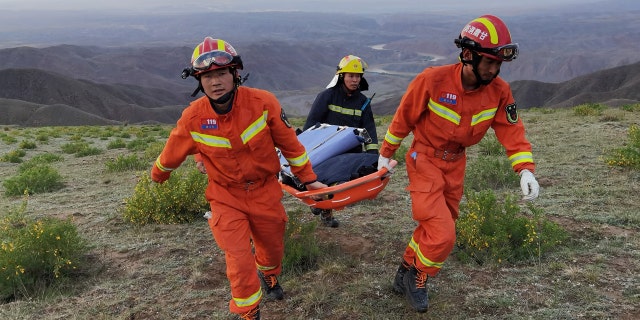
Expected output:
{"points": [[177, 272]]}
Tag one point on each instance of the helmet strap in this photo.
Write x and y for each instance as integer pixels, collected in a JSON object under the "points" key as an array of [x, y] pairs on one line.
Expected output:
{"points": [[475, 61], [224, 98]]}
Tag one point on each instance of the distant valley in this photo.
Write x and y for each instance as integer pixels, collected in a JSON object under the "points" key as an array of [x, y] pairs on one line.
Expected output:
{"points": [[129, 72]]}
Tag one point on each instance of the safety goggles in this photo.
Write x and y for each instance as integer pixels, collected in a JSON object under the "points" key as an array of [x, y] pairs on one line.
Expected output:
{"points": [[206, 60], [506, 53]]}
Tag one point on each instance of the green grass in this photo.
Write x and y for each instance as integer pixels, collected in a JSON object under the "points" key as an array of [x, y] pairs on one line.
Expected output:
{"points": [[177, 272]]}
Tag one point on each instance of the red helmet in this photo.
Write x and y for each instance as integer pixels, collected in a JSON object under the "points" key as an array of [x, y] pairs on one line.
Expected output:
{"points": [[213, 54], [489, 36]]}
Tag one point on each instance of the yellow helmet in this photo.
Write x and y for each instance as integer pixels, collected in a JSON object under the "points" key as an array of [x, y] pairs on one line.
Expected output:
{"points": [[351, 64]]}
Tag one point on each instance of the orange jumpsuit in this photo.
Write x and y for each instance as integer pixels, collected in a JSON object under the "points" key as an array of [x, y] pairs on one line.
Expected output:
{"points": [[444, 119], [238, 151]]}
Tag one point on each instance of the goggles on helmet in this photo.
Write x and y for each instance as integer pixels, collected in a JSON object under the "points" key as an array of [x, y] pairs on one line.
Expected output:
{"points": [[507, 52], [206, 60]]}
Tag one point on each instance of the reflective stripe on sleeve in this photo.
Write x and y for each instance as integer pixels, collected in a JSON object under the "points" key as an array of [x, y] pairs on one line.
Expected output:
{"points": [[521, 157], [391, 139]]}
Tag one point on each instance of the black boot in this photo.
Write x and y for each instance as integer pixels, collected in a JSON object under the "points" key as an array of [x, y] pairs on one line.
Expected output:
{"points": [[254, 314], [271, 286], [398, 285], [327, 219], [415, 289]]}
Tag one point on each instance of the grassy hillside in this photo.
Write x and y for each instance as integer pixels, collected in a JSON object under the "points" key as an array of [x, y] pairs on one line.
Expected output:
{"points": [[177, 272]]}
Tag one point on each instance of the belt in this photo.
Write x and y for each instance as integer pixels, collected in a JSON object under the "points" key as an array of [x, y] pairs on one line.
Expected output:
{"points": [[245, 185], [445, 155]]}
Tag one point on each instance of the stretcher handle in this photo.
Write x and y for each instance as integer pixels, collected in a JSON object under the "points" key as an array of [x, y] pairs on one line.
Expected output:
{"points": [[340, 187]]}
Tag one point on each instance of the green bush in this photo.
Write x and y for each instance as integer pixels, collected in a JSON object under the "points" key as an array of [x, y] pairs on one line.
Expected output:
{"points": [[27, 145], [629, 155], [153, 150], [489, 231], [489, 172], [631, 107], [490, 146], [80, 148], [14, 156], [33, 179], [9, 139], [178, 200], [589, 109], [301, 250], [140, 144], [36, 253], [118, 143], [74, 147], [126, 163], [45, 158]]}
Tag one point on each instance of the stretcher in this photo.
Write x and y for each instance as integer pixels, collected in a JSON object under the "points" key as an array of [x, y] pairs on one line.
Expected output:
{"points": [[323, 142]]}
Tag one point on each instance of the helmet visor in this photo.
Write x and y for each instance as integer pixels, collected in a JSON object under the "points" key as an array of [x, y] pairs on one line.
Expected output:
{"points": [[506, 53], [206, 60]]}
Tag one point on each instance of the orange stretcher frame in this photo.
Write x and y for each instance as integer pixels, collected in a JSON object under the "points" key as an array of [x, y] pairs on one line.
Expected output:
{"points": [[339, 196]]}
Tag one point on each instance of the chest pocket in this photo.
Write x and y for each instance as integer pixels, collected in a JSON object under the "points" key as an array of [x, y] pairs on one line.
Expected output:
{"points": [[216, 146], [256, 136], [480, 123], [445, 119]]}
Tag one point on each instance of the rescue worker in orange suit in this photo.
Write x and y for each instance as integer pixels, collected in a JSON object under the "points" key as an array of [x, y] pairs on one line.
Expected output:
{"points": [[449, 108], [342, 103], [235, 130]]}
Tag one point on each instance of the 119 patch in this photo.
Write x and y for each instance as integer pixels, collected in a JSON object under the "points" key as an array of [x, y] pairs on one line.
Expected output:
{"points": [[512, 113], [208, 124]]}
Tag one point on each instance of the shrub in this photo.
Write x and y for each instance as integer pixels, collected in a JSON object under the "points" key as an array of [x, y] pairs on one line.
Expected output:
{"points": [[178, 200], [153, 150], [14, 156], [488, 172], [27, 145], [39, 160], [74, 147], [80, 149], [631, 107], [126, 163], [36, 252], [300, 244], [589, 109], [118, 143], [45, 158], [629, 155], [140, 144], [33, 179], [488, 231], [9, 139], [490, 146]]}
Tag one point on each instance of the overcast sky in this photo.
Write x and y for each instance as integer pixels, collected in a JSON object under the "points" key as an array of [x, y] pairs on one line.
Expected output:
{"points": [[353, 6]]}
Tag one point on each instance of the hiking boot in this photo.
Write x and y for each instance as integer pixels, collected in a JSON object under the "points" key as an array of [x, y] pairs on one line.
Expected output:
{"points": [[328, 220], [253, 314], [271, 286], [398, 285], [415, 289]]}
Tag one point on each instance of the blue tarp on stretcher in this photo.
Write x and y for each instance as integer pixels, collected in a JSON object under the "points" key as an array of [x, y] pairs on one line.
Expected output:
{"points": [[324, 141], [352, 177]]}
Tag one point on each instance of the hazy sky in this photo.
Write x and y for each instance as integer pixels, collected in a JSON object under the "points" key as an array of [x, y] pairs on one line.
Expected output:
{"points": [[353, 6]]}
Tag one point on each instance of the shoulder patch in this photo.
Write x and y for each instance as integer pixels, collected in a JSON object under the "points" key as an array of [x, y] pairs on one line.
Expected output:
{"points": [[512, 113], [284, 119]]}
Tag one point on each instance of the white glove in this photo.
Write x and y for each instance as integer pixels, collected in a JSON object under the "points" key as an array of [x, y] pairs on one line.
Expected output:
{"points": [[383, 162], [529, 185]]}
